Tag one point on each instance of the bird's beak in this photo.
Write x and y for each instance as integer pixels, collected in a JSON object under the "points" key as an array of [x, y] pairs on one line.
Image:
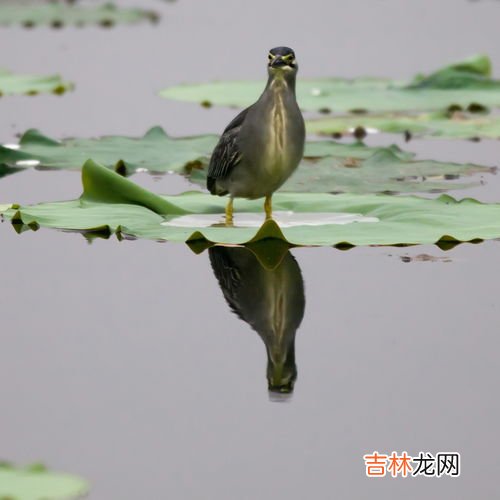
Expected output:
{"points": [[278, 62]]}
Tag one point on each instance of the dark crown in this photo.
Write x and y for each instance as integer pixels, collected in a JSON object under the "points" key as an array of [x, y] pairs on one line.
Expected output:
{"points": [[282, 51]]}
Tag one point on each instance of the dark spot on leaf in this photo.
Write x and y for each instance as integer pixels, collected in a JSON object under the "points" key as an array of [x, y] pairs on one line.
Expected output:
{"points": [[344, 246], [359, 133], [57, 24], [358, 111], [193, 165], [453, 108], [36, 467], [447, 244], [59, 90], [206, 104], [32, 92], [28, 24], [106, 23], [407, 135], [121, 168], [451, 177], [337, 135], [475, 107], [475, 139], [324, 111], [102, 232], [405, 258], [352, 162], [154, 17]]}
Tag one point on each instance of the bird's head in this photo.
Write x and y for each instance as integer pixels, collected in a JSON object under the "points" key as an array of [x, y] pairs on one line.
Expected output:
{"points": [[281, 367], [282, 60]]}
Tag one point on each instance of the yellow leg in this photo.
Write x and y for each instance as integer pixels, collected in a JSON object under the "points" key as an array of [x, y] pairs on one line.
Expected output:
{"points": [[229, 212], [268, 207]]}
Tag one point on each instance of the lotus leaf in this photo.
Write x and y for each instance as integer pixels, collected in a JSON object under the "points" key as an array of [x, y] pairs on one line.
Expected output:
{"points": [[328, 166], [463, 84], [111, 203], [457, 125], [387, 170], [11, 83], [155, 152], [35, 482], [60, 14]]}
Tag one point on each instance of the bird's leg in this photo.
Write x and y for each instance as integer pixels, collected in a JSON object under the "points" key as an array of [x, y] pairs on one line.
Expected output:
{"points": [[229, 212], [268, 207]]}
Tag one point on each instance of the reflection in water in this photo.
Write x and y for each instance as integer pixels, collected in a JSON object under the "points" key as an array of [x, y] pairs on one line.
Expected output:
{"points": [[268, 293]]}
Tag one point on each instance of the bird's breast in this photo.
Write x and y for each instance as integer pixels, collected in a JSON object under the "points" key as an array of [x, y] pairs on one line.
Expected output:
{"points": [[271, 144], [276, 146]]}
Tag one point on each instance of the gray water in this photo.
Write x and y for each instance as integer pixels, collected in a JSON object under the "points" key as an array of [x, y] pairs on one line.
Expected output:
{"points": [[121, 361]]}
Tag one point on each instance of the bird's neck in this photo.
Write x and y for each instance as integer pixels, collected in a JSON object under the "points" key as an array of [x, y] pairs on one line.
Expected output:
{"points": [[281, 82]]}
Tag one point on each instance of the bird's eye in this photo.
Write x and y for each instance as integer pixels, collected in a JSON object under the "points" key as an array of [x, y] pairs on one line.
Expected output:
{"points": [[270, 57], [288, 57]]}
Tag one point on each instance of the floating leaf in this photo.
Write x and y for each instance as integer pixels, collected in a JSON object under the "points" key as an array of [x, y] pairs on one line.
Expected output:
{"points": [[387, 170], [114, 204], [460, 84], [36, 483], [155, 152], [11, 83], [328, 166], [458, 125], [474, 72], [60, 14], [5, 170]]}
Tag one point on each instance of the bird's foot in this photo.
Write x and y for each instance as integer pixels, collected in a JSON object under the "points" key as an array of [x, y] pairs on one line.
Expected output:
{"points": [[268, 208], [229, 213]]}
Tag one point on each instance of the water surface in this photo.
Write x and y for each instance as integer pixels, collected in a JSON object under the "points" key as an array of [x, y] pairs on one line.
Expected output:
{"points": [[122, 361]]}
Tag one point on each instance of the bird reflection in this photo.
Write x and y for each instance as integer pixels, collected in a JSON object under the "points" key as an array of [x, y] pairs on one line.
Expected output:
{"points": [[263, 286]]}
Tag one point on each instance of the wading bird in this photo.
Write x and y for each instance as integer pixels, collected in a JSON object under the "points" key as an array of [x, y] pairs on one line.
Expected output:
{"points": [[263, 145]]}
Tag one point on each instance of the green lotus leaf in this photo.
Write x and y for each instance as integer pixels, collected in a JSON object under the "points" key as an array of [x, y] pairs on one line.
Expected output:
{"points": [[328, 166], [385, 170], [11, 83], [319, 149], [155, 152], [463, 84], [458, 125], [36, 483], [60, 14], [111, 203], [6, 170]]}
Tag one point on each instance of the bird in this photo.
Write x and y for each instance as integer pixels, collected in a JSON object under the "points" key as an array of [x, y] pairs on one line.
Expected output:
{"points": [[271, 300], [264, 144]]}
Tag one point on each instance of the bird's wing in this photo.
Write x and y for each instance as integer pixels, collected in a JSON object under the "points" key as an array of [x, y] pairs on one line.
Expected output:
{"points": [[226, 154], [237, 120]]}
